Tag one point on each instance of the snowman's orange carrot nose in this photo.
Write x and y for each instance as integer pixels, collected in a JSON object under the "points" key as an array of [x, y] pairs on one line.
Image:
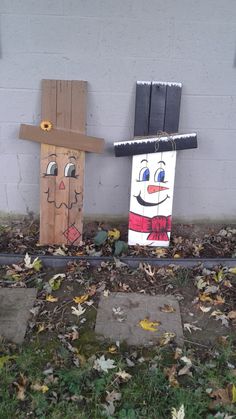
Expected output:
{"points": [[155, 188], [62, 185]]}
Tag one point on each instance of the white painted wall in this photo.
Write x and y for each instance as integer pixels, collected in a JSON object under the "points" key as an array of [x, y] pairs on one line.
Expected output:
{"points": [[113, 43]]}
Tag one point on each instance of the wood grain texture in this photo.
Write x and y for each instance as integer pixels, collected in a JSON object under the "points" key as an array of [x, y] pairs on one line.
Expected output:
{"points": [[173, 98], [47, 212], [62, 195], [62, 137], [142, 108], [157, 108], [62, 191], [78, 123]]}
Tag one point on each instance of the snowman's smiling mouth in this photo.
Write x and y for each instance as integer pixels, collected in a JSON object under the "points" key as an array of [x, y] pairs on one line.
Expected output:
{"points": [[149, 204]]}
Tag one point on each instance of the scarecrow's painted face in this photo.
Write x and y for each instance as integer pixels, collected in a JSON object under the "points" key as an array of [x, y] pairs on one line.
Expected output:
{"points": [[152, 183], [61, 172]]}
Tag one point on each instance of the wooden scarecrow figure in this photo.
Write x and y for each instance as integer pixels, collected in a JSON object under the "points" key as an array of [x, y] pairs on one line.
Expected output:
{"points": [[63, 145], [154, 159]]}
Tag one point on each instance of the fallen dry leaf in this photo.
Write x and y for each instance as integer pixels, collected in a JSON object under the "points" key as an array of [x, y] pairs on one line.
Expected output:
{"points": [[204, 309], [51, 299], [227, 283], [171, 374], [21, 387], [186, 369], [178, 414], [232, 315], [146, 324], [219, 276], [205, 298], [78, 311], [112, 349], [81, 299], [189, 327], [113, 396], [59, 252], [6, 358], [221, 397], [218, 300], [160, 252], [166, 338], [201, 283], [92, 290], [220, 316], [125, 376], [41, 328], [102, 364], [148, 269], [55, 281], [178, 353], [36, 264], [39, 387], [114, 234], [211, 289], [167, 308]]}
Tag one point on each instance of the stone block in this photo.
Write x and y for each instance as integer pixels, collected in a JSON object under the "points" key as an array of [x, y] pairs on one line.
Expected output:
{"points": [[134, 308]]}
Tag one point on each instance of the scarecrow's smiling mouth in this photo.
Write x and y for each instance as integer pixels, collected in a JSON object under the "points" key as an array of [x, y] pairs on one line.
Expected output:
{"points": [[68, 206], [149, 204]]}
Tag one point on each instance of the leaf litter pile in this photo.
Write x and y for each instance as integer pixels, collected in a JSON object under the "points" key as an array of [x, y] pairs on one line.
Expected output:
{"points": [[187, 241], [64, 371]]}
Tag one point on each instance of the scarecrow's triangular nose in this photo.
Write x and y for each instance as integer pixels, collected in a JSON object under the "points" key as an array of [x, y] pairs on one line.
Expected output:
{"points": [[62, 185], [155, 188]]}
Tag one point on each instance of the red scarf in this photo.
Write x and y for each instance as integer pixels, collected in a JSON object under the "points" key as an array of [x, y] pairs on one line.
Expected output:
{"points": [[157, 226]]}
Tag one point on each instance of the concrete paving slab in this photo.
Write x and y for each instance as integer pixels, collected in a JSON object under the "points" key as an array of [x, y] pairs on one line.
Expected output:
{"points": [[119, 315], [15, 305]]}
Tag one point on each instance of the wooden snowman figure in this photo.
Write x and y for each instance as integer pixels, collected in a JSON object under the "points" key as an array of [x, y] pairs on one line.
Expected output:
{"points": [[152, 188], [154, 160], [152, 185]]}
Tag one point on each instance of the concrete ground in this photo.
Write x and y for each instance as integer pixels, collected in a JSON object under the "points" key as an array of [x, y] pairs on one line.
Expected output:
{"points": [[119, 315], [15, 305]]}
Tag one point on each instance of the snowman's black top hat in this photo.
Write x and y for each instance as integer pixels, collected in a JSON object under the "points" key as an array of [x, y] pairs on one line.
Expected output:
{"points": [[155, 144]]}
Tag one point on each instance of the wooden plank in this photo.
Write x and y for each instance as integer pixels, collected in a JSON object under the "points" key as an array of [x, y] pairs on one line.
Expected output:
{"points": [[142, 108], [47, 212], [142, 145], [62, 191], [62, 138], [78, 123], [62, 204], [157, 108], [173, 98], [151, 197]]}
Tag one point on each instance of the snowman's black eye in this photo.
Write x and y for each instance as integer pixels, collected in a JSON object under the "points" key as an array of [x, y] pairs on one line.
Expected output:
{"points": [[52, 169], [70, 170]]}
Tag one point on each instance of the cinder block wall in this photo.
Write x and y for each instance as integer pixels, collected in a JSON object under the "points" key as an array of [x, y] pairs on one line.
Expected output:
{"points": [[111, 44]]}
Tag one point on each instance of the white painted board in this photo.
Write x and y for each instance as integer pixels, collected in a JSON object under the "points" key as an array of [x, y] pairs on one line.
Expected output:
{"points": [[152, 188]]}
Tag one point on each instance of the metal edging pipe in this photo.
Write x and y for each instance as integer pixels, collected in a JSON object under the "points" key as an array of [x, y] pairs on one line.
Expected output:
{"points": [[132, 262]]}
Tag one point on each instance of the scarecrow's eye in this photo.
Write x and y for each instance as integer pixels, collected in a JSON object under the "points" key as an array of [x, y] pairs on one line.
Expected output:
{"points": [[51, 169], [70, 170], [159, 175]]}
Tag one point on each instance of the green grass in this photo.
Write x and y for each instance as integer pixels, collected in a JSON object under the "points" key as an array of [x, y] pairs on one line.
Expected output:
{"points": [[80, 392], [182, 277]]}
